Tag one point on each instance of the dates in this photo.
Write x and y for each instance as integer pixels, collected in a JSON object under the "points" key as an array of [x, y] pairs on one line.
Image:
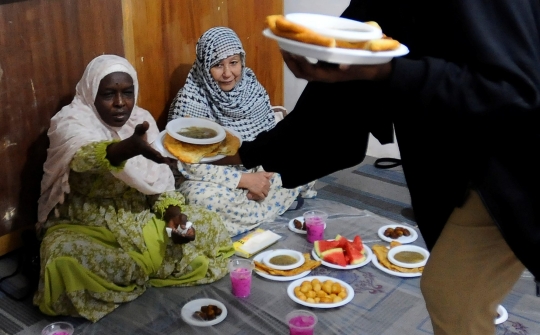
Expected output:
{"points": [[396, 232], [299, 224], [207, 313]]}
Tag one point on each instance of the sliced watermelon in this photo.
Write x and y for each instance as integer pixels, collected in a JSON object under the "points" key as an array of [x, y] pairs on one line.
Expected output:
{"points": [[342, 241], [357, 243], [334, 256], [321, 245], [355, 256]]}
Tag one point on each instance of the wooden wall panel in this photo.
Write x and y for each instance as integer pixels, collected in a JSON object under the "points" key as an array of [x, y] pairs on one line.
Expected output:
{"points": [[44, 47], [161, 44]]}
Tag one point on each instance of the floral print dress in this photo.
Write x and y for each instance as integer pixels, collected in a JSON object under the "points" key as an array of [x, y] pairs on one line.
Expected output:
{"points": [[107, 242], [214, 187]]}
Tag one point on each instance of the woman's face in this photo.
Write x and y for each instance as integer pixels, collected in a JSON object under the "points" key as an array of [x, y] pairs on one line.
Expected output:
{"points": [[227, 72], [115, 98]]}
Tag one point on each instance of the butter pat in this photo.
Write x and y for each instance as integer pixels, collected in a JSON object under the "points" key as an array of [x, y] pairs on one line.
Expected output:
{"points": [[254, 242]]}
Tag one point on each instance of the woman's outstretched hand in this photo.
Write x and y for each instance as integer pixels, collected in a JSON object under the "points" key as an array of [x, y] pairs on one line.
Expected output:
{"points": [[176, 220], [257, 184], [135, 145]]}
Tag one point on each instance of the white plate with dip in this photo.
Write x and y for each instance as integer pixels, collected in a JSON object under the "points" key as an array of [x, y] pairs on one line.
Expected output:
{"points": [[336, 27], [381, 267], [421, 253], [268, 259], [336, 55], [259, 258], [402, 239], [195, 305], [348, 298]]}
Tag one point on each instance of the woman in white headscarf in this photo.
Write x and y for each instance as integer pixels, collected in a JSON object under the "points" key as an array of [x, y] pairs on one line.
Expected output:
{"points": [[106, 199], [221, 88]]}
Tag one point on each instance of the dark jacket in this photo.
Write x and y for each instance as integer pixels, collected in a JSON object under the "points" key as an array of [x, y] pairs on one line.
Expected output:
{"points": [[464, 104]]}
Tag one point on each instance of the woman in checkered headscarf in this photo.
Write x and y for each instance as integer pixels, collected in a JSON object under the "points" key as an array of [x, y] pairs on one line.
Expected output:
{"points": [[221, 88]]}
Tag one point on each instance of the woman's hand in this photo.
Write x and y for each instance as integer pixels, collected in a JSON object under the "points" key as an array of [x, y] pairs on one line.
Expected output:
{"points": [[176, 220], [135, 145], [257, 184], [331, 73]]}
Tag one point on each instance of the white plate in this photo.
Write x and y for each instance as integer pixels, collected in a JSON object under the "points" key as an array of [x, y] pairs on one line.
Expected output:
{"points": [[503, 315], [336, 55], [414, 248], [195, 305], [379, 266], [174, 126], [259, 259], [298, 231], [402, 239], [350, 292], [368, 254], [336, 27], [158, 145], [300, 259]]}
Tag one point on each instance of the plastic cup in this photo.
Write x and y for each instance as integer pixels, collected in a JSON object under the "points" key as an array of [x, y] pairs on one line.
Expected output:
{"points": [[315, 222], [240, 271], [58, 328], [301, 322]]}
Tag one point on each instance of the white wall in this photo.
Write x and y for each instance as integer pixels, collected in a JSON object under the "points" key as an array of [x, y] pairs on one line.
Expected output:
{"points": [[294, 86]]}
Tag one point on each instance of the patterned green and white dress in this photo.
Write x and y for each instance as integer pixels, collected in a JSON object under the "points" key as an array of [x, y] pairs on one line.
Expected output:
{"points": [[107, 242]]}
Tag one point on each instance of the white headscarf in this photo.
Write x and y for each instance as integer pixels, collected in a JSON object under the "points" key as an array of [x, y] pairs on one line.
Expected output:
{"points": [[79, 124], [245, 109]]}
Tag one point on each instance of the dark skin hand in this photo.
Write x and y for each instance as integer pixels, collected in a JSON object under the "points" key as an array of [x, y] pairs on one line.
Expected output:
{"points": [[176, 220], [136, 145], [332, 73]]}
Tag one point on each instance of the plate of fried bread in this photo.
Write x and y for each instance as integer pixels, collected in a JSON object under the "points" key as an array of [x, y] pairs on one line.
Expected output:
{"points": [[283, 275], [381, 262], [198, 153], [302, 40]]}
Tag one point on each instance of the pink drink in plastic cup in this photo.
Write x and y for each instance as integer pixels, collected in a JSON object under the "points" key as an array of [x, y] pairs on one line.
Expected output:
{"points": [[315, 222], [301, 322], [241, 282], [240, 272]]}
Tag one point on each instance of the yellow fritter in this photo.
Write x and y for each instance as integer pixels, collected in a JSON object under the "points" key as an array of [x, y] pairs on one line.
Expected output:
{"points": [[187, 152]]}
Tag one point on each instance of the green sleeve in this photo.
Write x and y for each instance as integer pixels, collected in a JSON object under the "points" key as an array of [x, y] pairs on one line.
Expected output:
{"points": [[93, 158], [166, 199]]}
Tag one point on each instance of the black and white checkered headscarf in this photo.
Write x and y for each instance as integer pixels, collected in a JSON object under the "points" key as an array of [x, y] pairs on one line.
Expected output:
{"points": [[245, 109]]}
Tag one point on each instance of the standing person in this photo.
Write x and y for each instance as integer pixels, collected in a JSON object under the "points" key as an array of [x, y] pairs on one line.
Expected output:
{"points": [[221, 88], [465, 105], [106, 199]]}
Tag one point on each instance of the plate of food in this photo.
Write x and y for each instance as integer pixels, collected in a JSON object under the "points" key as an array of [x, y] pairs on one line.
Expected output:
{"points": [[315, 291], [353, 264], [336, 27], [396, 232], [264, 271], [502, 315], [336, 55], [381, 262], [298, 226], [203, 312], [408, 256], [195, 153]]}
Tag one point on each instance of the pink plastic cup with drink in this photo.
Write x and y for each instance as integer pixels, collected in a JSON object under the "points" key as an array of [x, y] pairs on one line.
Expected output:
{"points": [[315, 222], [58, 328], [301, 322], [240, 271]]}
